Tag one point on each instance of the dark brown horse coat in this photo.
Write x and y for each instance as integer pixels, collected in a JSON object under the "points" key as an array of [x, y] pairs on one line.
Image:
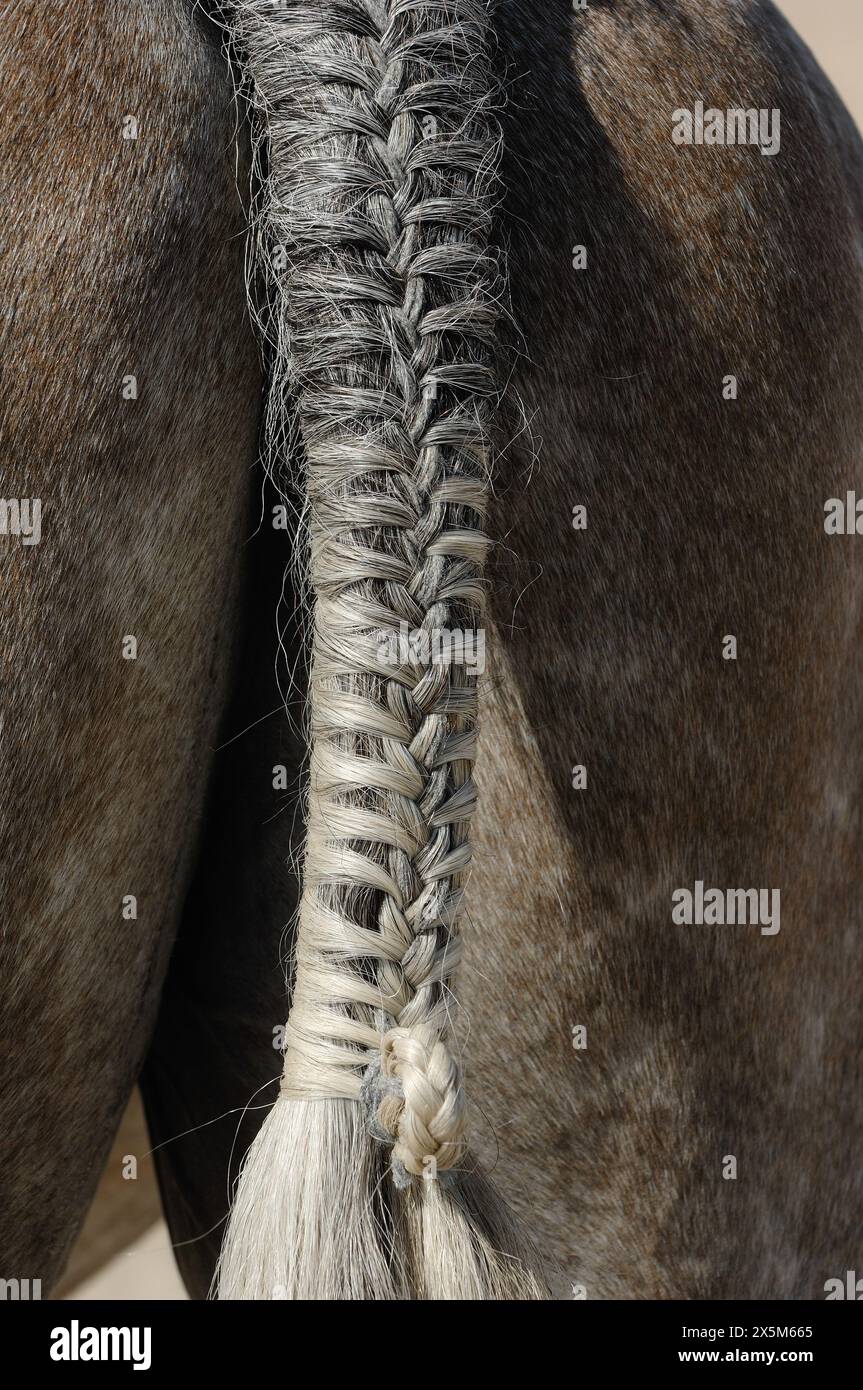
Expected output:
{"points": [[704, 1043]]}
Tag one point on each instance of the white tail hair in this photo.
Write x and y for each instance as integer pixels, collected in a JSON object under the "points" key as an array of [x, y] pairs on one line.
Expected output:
{"points": [[380, 159]]}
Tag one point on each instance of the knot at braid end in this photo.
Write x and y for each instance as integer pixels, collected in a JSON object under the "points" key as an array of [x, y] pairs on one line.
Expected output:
{"points": [[422, 1109]]}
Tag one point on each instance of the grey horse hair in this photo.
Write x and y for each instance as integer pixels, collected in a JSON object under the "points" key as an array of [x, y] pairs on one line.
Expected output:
{"points": [[376, 137]]}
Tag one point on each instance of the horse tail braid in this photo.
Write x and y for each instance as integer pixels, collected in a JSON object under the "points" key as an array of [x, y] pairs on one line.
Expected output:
{"points": [[381, 151]]}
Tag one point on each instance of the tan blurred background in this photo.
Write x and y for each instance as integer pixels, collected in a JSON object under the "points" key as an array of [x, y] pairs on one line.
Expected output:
{"points": [[833, 30], [124, 1250]]}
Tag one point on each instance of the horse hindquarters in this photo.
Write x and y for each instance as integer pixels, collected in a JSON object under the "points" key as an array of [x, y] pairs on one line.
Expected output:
{"points": [[704, 1043], [130, 403], [646, 1060]]}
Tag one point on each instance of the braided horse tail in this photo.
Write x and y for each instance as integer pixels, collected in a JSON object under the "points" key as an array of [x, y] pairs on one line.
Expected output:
{"points": [[380, 165]]}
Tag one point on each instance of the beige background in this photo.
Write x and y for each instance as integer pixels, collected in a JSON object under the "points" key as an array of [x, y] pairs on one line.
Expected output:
{"points": [[122, 1216], [833, 30]]}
